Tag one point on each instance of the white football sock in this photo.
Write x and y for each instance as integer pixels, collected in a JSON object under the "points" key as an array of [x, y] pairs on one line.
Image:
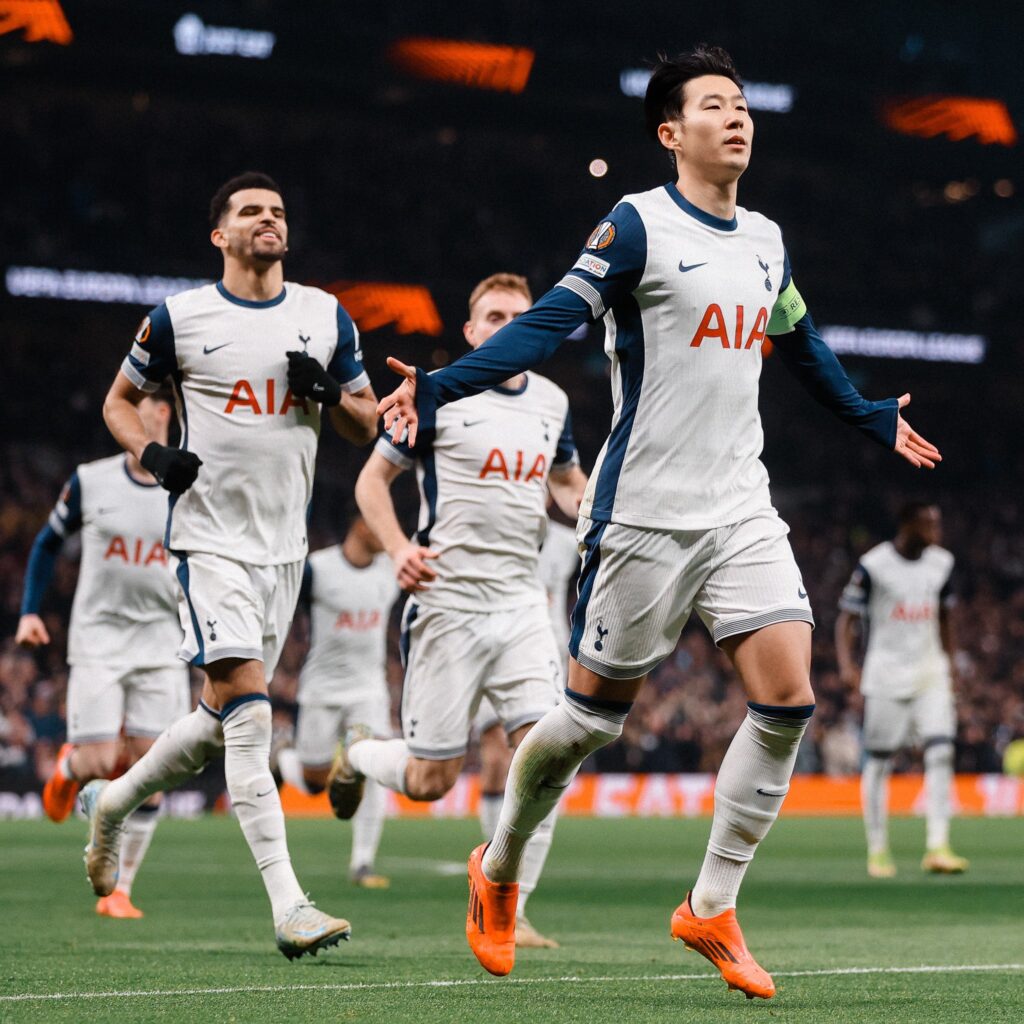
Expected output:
{"points": [[751, 785], [534, 857], [544, 765], [290, 767], [938, 786], [138, 834], [874, 799], [382, 760], [254, 797], [367, 825], [177, 754], [490, 810]]}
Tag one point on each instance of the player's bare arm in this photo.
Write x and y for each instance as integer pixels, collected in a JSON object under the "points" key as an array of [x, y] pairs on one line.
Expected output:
{"points": [[174, 469], [567, 487], [847, 631], [355, 418], [373, 496]]}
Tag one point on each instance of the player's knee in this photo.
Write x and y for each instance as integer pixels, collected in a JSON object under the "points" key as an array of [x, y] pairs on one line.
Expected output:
{"points": [[427, 781]]}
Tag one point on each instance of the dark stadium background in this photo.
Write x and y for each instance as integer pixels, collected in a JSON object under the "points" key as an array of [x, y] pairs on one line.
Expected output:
{"points": [[111, 145]]}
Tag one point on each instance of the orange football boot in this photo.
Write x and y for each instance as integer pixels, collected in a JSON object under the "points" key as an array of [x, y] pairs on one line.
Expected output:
{"points": [[117, 904], [59, 792], [720, 940], [491, 917]]}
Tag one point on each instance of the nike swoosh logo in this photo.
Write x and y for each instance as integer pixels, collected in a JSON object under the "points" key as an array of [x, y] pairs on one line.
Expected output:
{"points": [[207, 350], [683, 268], [271, 790], [767, 792], [471, 423], [104, 511]]}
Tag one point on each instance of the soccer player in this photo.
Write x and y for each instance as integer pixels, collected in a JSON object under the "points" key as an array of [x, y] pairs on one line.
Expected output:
{"points": [[477, 623], [677, 515], [900, 595], [350, 589], [253, 359], [123, 635]]}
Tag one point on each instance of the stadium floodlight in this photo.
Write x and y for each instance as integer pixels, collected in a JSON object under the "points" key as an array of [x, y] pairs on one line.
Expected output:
{"points": [[884, 343]]}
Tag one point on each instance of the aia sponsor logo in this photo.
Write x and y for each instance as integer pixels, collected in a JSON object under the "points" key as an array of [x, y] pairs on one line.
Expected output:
{"points": [[713, 326], [518, 468], [244, 399], [359, 621], [904, 612], [136, 552]]}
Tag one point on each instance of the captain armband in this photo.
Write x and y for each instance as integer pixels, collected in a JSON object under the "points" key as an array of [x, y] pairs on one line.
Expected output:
{"points": [[789, 308]]}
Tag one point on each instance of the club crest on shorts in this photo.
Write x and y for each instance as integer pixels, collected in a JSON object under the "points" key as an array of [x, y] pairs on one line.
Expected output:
{"points": [[602, 236]]}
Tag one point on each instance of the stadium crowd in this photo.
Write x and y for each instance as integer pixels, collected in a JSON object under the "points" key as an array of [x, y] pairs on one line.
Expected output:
{"points": [[685, 717]]}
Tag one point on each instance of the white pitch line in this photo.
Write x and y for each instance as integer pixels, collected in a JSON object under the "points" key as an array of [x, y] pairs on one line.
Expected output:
{"points": [[569, 979]]}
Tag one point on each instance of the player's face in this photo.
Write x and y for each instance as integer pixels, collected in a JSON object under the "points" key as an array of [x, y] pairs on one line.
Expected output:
{"points": [[492, 311], [254, 228], [715, 133], [928, 525]]}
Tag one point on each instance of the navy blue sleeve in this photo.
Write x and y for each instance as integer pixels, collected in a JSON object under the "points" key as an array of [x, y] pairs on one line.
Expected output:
{"points": [[39, 572], [787, 271], [857, 592], [66, 517], [565, 452], [153, 358], [526, 342], [346, 365], [401, 454], [808, 357]]}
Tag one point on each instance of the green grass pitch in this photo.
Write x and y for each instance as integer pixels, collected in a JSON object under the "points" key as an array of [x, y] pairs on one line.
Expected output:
{"points": [[205, 950]]}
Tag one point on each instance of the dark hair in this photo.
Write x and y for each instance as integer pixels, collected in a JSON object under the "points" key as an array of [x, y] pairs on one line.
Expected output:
{"points": [[910, 510], [222, 197], [664, 98]]}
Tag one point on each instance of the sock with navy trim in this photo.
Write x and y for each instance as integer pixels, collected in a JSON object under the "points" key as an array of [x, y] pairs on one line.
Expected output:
{"points": [[177, 754], [544, 765], [247, 726], [751, 785]]}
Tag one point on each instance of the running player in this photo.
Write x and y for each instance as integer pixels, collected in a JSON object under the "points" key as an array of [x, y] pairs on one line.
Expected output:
{"points": [[123, 635], [901, 597], [252, 359], [477, 624], [350, 589], [677, 513], [557, 565]]}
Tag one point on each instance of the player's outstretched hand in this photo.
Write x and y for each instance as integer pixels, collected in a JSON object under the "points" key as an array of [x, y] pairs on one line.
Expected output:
{"points": [[31, 632], [175, 470], [411, 568], [399, 408], [910, 444], [308, 379]]}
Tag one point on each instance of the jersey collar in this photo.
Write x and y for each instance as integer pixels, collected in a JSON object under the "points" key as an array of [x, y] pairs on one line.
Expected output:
{"points": [[513, 391], [250, 303], [684, 204], [137, 483]]}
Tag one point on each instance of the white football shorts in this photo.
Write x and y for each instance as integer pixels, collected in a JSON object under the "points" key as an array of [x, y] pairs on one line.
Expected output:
{"points": [[145, 700], [231, 610], [453, 658], [320, 726], [891, 723], [638, 587]]}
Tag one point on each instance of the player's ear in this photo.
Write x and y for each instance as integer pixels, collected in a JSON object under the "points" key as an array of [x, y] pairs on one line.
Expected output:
{"points": [[669, 133], [217, 238], [467, 331]]}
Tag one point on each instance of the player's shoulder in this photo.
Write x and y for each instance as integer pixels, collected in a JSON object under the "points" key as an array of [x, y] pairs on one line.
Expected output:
{"points": [[940, 556], [310, 293], [200, 300], [878, 556], [323, 558], [753, 222], [110, 465]]}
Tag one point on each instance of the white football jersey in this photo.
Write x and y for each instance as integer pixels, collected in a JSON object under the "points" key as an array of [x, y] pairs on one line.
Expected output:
{"points": [[483, 475], [349, 611], [125, 610], [557, 564], [687, 299], [900, 600], [257, 441]]}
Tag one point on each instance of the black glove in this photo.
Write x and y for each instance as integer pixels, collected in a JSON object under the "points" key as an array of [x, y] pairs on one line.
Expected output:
{"points": [[174, 469], [308, 379]]}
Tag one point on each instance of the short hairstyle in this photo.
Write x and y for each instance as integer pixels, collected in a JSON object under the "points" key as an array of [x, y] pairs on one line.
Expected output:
{"points": [[222, 197], [664, 98], [506, 282], [910, 510]]}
